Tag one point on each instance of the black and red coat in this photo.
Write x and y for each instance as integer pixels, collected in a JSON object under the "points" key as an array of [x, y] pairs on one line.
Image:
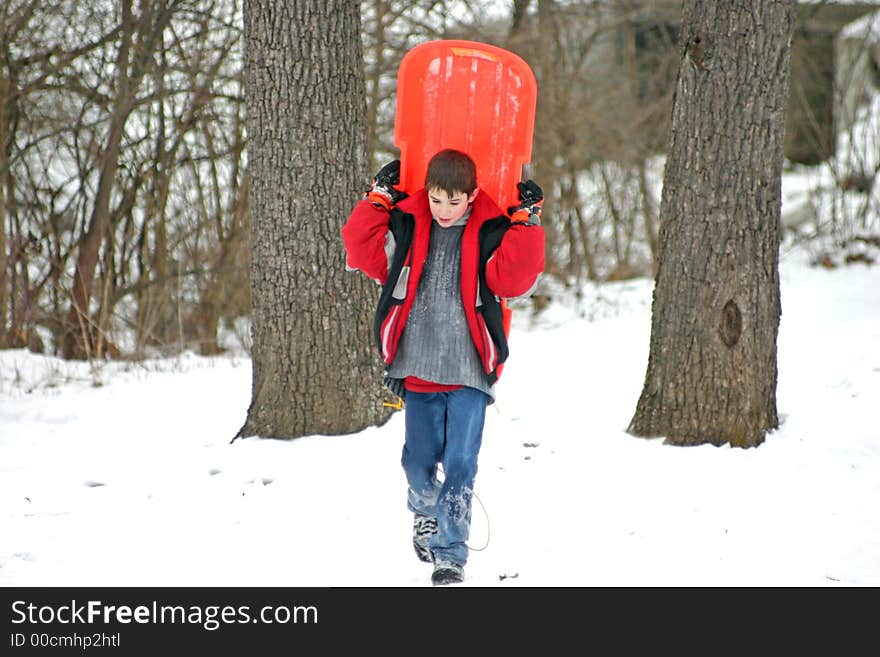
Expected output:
{"points": [[499, 260]]}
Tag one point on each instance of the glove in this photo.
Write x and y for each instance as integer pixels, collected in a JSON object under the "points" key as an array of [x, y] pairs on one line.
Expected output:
{"points": [[531, 198], [382, 191]]}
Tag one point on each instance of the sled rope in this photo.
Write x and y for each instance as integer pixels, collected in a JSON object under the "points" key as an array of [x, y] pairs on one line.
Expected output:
{"points": [[485, 513]]}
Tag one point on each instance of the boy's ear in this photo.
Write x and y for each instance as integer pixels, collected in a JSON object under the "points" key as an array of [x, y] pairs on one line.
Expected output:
{"points": [[473, 195]]}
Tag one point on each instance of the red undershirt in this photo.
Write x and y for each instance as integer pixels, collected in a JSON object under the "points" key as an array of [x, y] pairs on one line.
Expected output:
{"points": [[415, 384]]}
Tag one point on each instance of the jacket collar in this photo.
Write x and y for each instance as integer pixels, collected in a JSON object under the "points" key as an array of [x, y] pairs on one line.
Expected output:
{"points": [[482, 208]]}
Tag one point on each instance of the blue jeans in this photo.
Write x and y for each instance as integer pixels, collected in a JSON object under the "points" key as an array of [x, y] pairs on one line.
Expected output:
{"points": [[447, 428]]}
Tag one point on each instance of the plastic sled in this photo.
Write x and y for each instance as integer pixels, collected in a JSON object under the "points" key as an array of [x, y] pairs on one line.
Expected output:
{"points": [[470, 96], [473, 97]]}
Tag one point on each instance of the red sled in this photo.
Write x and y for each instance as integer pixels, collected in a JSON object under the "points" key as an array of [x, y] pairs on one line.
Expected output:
{"points": [[473, 97]]}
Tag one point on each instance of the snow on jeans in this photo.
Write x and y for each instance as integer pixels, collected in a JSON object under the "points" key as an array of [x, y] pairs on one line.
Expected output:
{"points": [[447, 428]]}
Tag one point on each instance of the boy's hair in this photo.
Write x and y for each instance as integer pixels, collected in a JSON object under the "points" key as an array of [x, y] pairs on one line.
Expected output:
{"points": [[452, 171]]}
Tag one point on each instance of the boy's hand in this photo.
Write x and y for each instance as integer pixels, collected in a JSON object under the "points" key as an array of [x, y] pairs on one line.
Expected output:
{"points": [[531, 199], [382, 191]]}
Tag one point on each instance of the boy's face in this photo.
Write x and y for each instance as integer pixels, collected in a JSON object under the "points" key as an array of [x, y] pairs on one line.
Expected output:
{"points": [[448, 208]]}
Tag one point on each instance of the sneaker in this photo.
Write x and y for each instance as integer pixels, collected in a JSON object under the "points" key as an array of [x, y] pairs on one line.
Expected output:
{"points": [[446, 572], [424, 527]]}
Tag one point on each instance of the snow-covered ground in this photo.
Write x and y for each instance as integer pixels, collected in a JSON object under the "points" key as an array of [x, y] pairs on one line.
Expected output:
{"points": [[133, 481]]}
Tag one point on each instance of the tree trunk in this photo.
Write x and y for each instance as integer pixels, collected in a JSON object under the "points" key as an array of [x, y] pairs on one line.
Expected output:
{"points": [[711, 375], [80, 335], [315, 370]]}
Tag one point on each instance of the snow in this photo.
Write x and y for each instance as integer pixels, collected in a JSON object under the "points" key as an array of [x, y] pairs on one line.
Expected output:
{"points": [[123, 474], [867, 28]]}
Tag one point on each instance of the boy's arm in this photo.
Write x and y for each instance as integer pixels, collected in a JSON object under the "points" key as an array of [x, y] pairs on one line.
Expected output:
{"points": [[364, 236], [368, 242], [514, 267]]}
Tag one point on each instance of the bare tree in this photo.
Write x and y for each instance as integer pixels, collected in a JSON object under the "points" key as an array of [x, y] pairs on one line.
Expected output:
{"points": [[37, 44], [314, 367], [141, 35], [141, 182], [711, 375], [605, 83]]}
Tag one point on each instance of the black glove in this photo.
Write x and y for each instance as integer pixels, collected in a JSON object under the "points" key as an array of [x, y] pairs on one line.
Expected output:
{"points": [[382, 191], [531, 198]]}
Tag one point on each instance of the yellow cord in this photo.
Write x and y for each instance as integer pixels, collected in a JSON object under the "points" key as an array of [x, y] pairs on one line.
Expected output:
{"points": [[398, 405]]}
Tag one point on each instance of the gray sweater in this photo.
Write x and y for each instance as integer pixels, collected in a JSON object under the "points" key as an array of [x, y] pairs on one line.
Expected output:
{"points": [[436, 344]]}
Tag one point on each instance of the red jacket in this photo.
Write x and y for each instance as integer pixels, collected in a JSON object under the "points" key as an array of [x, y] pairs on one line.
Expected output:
{"points": [[499, 260]]}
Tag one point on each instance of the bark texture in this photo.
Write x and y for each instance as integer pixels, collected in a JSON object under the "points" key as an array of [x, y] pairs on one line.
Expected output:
{"points": [[711, 375], [314, 365]]}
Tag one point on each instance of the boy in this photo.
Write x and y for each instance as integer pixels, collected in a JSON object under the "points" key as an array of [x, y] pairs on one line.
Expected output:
{"points": [[444, 256]]}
